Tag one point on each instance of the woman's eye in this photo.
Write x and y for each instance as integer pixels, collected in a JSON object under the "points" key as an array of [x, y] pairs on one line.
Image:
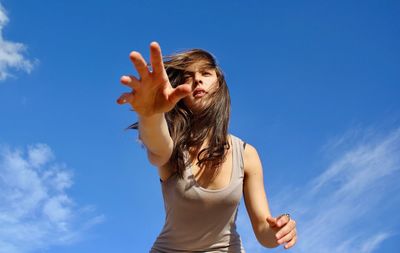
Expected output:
{"points": [[206, 73]]}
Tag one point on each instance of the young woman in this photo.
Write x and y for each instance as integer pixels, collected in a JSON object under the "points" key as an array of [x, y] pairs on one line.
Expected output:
{"points": [[183, 107]]}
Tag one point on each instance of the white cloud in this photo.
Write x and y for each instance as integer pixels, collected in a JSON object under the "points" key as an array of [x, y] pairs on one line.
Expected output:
{"points": [[371, 244], [39, 155], [11, 53], [35, 209], [341, 210]]}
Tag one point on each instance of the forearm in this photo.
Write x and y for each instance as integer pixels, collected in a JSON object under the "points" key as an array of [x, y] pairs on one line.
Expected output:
{"points": [[154, 134]]}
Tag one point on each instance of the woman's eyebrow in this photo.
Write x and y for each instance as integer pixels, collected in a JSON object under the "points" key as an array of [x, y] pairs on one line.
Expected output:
{"points": [[187, 72], [206, 68]]}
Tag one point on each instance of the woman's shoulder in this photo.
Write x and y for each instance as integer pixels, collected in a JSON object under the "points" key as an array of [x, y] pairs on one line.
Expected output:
{"points": [[251, 158], [245, 144], [235, 137], [249, 150]]}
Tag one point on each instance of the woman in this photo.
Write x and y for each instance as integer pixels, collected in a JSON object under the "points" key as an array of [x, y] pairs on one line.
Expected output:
{"points": [[183, 107]]}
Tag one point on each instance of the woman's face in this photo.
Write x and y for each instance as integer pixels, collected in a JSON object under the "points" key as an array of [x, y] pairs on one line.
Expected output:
{"points": [[204, 82]]}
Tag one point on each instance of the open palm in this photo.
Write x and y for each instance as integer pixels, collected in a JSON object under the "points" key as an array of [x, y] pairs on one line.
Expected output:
{"points": [[152, 93]]}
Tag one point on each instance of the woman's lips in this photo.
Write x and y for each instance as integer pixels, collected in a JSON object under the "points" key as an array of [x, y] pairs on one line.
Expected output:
{"points": [[199, 93]]}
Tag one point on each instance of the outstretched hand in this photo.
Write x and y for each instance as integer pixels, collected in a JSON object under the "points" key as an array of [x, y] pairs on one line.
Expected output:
{"points": [[285, 230], [152, 93]]}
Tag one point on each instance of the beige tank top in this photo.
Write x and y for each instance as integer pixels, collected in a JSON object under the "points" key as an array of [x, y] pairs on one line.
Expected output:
{"points": [[199, 219]]}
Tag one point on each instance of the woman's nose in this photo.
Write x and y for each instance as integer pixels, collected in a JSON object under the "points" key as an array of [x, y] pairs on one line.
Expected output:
{"points": [[198, 79]]}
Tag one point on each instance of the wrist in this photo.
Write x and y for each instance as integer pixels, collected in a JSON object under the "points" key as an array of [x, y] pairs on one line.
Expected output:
{"points": [[151, 118], [266, 236]]}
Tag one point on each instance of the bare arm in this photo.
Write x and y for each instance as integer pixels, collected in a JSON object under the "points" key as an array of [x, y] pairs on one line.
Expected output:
{"points": [[152, 95], [269, 231], [153, 132], [256, 199]]}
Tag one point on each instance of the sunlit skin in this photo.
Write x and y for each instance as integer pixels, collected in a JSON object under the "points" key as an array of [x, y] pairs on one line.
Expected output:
{"points": [[152, 95], [203, 83]]}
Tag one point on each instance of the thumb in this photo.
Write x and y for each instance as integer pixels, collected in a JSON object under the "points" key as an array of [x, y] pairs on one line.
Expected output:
{"points": [[272, 221], [180, 92]]}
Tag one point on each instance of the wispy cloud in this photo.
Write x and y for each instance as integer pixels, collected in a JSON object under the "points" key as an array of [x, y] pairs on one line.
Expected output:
{"points": [[35, 209], [11, 53], [341, 209]]}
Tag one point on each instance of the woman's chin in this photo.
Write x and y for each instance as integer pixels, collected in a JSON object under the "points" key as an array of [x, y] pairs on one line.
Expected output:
{"points": [[197, 105]]}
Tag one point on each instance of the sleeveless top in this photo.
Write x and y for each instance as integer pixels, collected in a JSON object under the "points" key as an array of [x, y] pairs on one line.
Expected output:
{"points": [[199, 219]]}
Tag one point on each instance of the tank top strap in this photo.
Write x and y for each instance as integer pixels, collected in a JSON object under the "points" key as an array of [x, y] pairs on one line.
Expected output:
{"points": [[238, 149]]}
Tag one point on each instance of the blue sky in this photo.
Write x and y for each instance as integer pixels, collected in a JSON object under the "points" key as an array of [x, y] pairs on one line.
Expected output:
{"points": [[315, 87]]}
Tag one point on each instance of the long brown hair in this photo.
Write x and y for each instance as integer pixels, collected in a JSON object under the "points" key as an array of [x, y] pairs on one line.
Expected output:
{"points": [[188, 129]]}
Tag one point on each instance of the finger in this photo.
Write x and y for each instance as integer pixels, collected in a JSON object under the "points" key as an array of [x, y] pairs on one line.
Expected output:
{"points": [[140, 64], [271, 221], [285, 230], [156, 58], [125, 98], [130, 81], [291, 243], [282, 220], [180, 92], [287, 237]]}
